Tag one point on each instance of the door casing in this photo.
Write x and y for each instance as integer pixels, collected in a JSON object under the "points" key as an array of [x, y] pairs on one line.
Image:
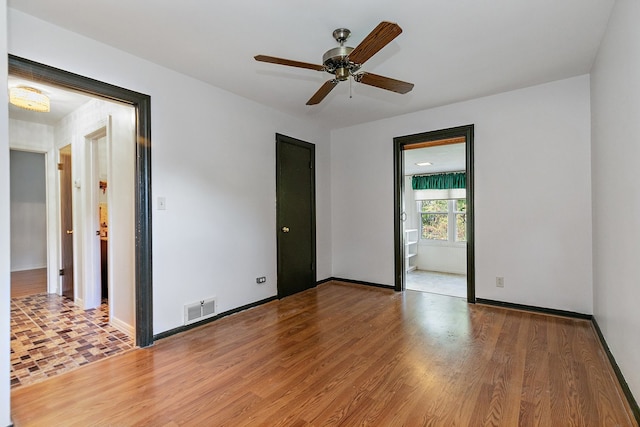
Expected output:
{"points": [[92, 258], [67, 288], [38, 72], [399, 144]]}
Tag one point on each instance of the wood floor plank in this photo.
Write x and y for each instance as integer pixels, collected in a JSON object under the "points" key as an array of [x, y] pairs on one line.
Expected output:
{"points": [[344, 354], [28, 282], [535, 407]]}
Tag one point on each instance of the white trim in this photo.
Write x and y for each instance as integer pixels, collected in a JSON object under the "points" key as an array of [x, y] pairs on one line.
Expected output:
{"points": [[122, 326], [90, 256], [27, 268]]}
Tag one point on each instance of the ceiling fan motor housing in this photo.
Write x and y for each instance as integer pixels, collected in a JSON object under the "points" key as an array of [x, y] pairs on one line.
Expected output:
{"points": [[336, 61]]}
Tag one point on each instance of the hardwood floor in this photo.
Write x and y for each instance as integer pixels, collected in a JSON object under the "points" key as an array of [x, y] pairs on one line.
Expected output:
{"points": [[344, 354], [28, 282]]}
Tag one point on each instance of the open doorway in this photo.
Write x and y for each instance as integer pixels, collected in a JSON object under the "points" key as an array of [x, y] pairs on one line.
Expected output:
{"points": [[103, 289], [434, 212], [435, 218], [28, 222], [69, 321], [139, 180]]}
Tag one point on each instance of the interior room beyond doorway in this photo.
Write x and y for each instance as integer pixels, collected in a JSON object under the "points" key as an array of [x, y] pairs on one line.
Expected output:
{"points": [[50, 332], [434, 225]]}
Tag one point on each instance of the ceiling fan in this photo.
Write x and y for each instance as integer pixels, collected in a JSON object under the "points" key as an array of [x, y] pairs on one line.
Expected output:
{"points": [[344, 61]]}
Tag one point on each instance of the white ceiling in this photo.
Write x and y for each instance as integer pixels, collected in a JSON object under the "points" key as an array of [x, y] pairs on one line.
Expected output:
{"points": [[62, 102], [443, 158], [452, 50]]}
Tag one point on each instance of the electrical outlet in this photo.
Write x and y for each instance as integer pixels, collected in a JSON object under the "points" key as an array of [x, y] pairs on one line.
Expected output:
{"points": [[261, 279], [500, 282]]}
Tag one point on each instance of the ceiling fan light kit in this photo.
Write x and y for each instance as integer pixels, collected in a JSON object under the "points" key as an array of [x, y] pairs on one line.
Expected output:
{"points": [[344, 61]]}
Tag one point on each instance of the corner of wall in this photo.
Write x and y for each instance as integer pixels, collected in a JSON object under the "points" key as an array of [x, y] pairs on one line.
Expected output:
{"points": [[5, 275]]}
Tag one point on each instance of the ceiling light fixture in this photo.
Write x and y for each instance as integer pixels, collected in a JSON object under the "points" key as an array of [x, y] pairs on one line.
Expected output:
{"points": [[29, 99], [424, 164]]}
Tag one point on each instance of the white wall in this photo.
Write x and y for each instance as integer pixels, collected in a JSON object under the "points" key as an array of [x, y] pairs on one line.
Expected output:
{"points": [[28, 136], [615, 96], [213, 159], [5, 247], [443, 258], [532, 194], [28, 211]]}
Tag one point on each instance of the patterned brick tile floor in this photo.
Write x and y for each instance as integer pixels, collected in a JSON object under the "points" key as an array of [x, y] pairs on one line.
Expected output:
{"points": [[50, 335]]}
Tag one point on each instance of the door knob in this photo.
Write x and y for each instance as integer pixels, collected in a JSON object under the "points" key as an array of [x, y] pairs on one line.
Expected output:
{"points": [[69, 231], [285, 229]]}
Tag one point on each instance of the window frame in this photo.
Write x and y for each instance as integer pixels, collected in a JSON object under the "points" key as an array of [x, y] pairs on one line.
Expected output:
{"points": [[451, 213]]}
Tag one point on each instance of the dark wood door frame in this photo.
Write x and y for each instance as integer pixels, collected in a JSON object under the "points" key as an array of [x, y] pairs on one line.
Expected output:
{"points": [[38, 72], [399, 144]]}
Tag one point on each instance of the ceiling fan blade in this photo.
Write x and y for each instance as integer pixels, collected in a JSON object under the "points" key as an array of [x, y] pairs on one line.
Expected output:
{"points": [[376, 40], [384, 82], [322, 92], [288, 62]]}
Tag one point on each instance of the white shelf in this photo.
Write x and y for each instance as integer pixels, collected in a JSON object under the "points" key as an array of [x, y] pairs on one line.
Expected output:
{"points": [[410, 248]]}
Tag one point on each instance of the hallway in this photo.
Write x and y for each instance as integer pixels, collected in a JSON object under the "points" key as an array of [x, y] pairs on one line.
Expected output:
{"points": [[51, 335]]}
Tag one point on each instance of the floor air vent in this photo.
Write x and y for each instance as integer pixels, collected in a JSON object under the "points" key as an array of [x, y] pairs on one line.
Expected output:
{"points": [[199, 310]]}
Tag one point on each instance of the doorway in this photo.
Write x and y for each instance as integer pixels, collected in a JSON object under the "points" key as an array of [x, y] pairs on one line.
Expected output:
{"points": [[28, 223], [296, 215], [43, 322], [434, 212], [101, 215], [98, 195], [66, 223], [141, 233]]}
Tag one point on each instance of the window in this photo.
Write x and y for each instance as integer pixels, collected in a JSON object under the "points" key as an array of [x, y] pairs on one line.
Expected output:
{"points": [[460, 212], [443, 220], [435, 219]]}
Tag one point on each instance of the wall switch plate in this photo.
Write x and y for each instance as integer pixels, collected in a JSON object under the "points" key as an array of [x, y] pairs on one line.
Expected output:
{"points": [[261, 279], [162, 204], [500, 282]]}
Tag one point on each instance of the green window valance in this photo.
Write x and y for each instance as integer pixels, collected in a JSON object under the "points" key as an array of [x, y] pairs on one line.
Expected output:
{"points": [[440, 181]]}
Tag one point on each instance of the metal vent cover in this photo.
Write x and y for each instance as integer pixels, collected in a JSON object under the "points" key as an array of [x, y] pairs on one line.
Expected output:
{"points": [[200, 310]]}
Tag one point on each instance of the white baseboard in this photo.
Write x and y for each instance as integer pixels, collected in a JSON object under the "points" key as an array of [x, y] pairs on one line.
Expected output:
{"points": [[27, 268], [122, 326]]}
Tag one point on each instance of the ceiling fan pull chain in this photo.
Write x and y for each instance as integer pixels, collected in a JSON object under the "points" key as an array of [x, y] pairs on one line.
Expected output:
{"points": [[350, 94]]}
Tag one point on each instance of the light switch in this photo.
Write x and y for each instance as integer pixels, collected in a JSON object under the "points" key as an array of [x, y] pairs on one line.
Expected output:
{"points": [[162, 204]]}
